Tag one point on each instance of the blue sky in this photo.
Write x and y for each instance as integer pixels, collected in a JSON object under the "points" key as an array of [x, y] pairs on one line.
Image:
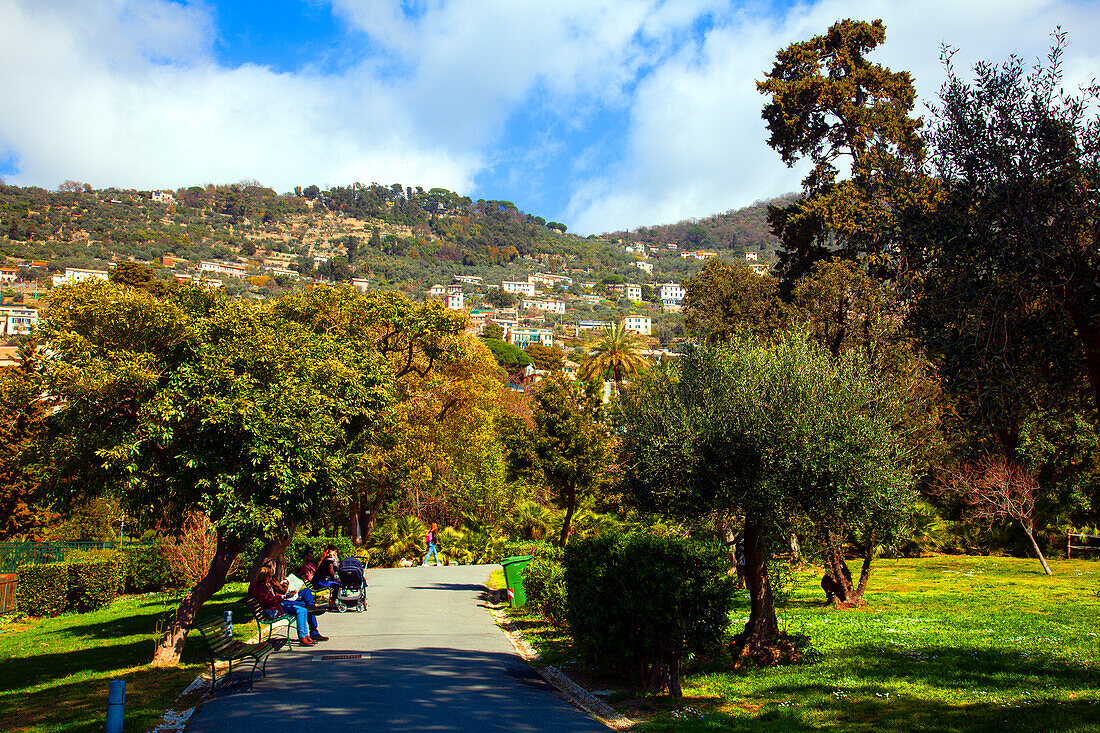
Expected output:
{"points": [[603, 114]]}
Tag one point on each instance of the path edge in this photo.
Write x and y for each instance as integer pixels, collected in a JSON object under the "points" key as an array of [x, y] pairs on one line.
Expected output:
{"points": [[572, 692]]}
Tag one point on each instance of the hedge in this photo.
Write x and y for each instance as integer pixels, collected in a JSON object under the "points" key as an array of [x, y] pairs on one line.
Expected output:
{"points": [[544, 583], [638, 603], [43, 589], [83, 582], [95, 583]]}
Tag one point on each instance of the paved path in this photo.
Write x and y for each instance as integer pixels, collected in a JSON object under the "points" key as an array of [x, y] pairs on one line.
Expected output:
{"points": [[437, 662]]}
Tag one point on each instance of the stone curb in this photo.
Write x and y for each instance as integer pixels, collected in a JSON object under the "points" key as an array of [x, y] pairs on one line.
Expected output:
{"points": [[572, 692]]}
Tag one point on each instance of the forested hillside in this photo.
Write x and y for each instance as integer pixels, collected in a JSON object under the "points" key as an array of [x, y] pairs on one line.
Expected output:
{"points": [[387, 233]]}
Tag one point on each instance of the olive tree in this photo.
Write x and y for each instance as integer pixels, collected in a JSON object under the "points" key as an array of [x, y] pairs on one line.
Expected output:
{"points": [[768, 431]]}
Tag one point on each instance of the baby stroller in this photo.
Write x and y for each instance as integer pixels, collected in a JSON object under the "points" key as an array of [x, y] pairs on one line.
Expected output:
{"points": [[352, 593]]}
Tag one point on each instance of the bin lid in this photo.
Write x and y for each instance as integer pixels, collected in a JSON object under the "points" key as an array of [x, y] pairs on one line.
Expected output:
{"points": [[517, 558]]}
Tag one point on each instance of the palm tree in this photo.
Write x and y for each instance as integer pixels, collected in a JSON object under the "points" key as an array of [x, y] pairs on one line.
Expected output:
{"points": [[618, 352]]}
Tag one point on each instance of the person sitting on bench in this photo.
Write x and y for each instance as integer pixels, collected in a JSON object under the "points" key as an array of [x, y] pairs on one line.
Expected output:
{"points": [[273, 604]]}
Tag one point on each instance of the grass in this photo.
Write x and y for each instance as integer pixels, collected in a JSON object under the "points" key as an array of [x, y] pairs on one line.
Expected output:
{"points": [[943, 644], [54, 673]]}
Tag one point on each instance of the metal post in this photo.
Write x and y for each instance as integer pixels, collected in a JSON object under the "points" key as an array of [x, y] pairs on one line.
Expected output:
{"points": [[227, 623], [116, 706]]}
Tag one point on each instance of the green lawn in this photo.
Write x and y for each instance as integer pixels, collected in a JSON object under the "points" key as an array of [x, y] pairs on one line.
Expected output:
{"points": [[944, 644], [54, 672]]}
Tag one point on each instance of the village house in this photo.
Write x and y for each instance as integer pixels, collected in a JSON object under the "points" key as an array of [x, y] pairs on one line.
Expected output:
{"points": [[76, 274], [634, 291], [223, 268], [698, 255], [437, 291], [518, 287], [750, 256], [360, 284], [642, 325], [523, 336], [468, 279], [455, 301], [17, 320], [9, 274], [670, 293], [644, 266], [553, 306], [163, 197]]}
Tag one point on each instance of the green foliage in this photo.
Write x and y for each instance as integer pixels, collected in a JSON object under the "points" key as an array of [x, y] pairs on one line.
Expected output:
{"points": [[509, 356], [396, 539], [43, 590], [147, 569], [544, 583], [95, 582], [724, 300], [638, 601]]}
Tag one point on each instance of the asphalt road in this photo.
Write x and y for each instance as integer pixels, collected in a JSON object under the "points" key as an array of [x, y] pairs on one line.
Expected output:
{"points": [[431, 659]]}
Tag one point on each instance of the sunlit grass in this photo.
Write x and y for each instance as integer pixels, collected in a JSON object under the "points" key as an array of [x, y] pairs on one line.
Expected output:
{"points": [[944, 644], [54, 673]]}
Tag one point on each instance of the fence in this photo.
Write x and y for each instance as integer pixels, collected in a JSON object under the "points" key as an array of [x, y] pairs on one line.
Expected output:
{"points": [[7, 593], [14, 554], [1085, 538]]}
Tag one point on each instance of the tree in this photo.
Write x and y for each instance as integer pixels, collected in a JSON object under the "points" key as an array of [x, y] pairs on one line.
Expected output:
{"points": [[546, 358], [22, 518], [509, 356], [194, 402], [566, 448], [994, 490], [830, 104], [617, 352], [767, 432], [140, 276], [724, 300], [493, 331], [1010, 300], [499, 298]]}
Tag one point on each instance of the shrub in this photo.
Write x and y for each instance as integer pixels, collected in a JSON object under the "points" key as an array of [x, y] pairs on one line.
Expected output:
{"points": [[148, 570], [544, 583], [94, 582], [639, 603], [43, 589]]}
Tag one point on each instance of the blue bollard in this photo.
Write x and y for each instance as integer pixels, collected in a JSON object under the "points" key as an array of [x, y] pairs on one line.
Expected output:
{"points": [[116, 706], [227, 624]]}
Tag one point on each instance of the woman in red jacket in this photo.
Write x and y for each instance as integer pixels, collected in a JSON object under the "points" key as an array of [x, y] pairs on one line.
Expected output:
{"points": [[273, 605]]}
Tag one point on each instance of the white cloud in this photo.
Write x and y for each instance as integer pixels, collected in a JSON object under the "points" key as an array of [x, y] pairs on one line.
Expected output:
{"points": [[696, 143], [129, 93], [126, 93]]}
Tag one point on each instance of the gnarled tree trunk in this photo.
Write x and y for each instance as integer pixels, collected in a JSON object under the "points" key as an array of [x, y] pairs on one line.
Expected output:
{"points": [[838, 584], [570, 497], [762, 628], [171, 643]]}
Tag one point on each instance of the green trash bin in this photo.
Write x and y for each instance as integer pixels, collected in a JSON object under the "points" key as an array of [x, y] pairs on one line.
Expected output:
{"points": [[513, 566]]}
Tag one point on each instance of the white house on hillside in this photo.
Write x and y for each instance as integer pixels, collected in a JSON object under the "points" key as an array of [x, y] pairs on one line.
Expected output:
{"points": [[76, 274], [642, 325], [518, 287], [670, 293]]}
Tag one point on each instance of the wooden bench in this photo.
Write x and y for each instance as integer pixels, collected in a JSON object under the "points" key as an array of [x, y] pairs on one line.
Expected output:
{"points": [[221, 647], [262, 620]]}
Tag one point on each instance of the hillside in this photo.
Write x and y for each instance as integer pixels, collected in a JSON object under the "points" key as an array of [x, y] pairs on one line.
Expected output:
{"points": [[735, 231], [387, 234]]}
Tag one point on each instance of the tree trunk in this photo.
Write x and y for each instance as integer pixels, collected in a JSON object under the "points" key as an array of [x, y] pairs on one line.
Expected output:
{"points": [[570, 496], [273, 549], [354, 524], [1034, 544], [168, 651], [796, 550], [837, 582], [729, 539], [376, 507], [865, 571], [762, 628]]}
